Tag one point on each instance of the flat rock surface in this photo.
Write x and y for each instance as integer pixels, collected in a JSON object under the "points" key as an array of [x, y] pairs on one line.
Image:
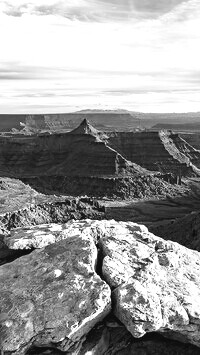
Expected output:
{"points": [[52, 296], [156, 283], [45, 234]]}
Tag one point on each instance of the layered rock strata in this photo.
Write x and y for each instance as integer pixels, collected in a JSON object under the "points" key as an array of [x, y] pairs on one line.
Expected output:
{"points": [[80, 162], [157, 151]]}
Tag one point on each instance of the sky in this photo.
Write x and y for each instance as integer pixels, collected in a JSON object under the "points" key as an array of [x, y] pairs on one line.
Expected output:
{"points": [[63, 56]]}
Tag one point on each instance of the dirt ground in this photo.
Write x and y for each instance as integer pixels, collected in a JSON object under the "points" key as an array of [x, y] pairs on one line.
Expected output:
{"points": [[154, 210]]}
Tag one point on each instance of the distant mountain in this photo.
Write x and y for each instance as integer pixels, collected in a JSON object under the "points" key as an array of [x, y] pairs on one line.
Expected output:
{"points": [[118, 111], [108, 120]]}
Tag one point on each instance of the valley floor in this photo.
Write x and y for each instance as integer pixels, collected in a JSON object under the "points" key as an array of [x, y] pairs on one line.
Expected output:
{"points": [[156, 210]]}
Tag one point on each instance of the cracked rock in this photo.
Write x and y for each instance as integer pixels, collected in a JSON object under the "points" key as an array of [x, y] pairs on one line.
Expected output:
{"points": [[52, 297], [155, 283]]}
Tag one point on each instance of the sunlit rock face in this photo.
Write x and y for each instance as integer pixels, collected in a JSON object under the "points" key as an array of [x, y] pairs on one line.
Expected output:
{"points": [[52, 296], [162, 151], [155, 283], [46, 234]]}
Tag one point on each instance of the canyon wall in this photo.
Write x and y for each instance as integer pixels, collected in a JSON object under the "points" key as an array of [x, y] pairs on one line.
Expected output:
{"points": [[156, 151], [192, 138], [60, 154], [87, 161]]}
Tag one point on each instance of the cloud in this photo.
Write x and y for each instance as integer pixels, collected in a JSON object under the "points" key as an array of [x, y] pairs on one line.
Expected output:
{"points": [[85, 53], [92, 10]]}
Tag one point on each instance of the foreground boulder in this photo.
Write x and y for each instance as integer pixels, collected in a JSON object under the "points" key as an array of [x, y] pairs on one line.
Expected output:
{"points": [[155, 283], [51, 297], [37, 237]]}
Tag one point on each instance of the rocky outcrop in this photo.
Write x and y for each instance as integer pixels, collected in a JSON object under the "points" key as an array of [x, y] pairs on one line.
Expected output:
{"points": [[157, 151], [154, 283], [52, 297], [57, 210], [46, 234], [86, 128], [136, 186]]}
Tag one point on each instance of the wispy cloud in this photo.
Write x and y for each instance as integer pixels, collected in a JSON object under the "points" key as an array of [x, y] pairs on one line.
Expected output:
{"points": [[92, 10], [137, 54]]}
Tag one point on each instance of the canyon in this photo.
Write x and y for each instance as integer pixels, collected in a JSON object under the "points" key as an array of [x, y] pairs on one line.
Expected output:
{"points": [[88, 161], [95, 230]]}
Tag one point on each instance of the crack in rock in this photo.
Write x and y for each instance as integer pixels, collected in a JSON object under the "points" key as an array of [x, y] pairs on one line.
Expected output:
{"points": [[155, 283]]}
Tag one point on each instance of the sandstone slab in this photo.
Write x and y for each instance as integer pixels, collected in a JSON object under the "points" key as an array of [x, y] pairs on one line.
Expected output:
{"points": [[45, 234], [51, 297], [156, 283]]}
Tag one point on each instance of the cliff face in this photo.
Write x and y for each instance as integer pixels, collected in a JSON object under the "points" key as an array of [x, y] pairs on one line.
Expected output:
{"points": [[157, 151], [101, 120], [61, 154], [86, 161], [78, 163], [192, 138]]}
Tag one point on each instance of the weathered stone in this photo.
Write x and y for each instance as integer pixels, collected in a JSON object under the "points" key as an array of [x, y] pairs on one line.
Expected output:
{"points": [[45, 234], [49, 209], [156, 283], [52, 296], [104, 339]]}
